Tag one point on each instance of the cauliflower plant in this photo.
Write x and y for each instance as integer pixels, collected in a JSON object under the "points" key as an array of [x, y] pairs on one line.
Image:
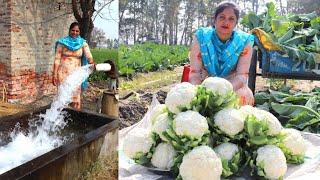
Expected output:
{"points": [[190, 123], [230, 121], [137, 143], [163, 156], [294, 146], [248, 110], [201, 163], [261, 127], [226, 150], [218, 85], [187, 130], [161, 124], [180, 95], [274, 124], [271, 162], [230, 157], [156, 111]]}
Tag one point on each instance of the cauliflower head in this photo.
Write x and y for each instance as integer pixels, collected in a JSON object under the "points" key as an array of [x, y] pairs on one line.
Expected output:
{"points": [[230, 121], [226, 150], [217, 84], [248, 110], [180, 95], [163, 156], [156, 111], [294, 142], [201, 163], [230, 158], [274, 124], [190, 123], [294, 146], [272, 161], [161, 124], [136, 142]]}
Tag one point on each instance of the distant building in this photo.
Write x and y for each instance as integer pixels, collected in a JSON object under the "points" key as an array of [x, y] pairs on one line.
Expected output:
{"points": [[28, 31]]}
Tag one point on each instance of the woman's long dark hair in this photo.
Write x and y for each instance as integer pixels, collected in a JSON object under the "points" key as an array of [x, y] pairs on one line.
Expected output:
{"points": [[226, 4], [72, 25]]}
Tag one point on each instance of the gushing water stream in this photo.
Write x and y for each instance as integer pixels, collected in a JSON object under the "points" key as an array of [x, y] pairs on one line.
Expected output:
{"points": [[43, 135]]}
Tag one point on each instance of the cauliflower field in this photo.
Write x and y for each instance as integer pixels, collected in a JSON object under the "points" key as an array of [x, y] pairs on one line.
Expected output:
{"points": [[201, 133]]}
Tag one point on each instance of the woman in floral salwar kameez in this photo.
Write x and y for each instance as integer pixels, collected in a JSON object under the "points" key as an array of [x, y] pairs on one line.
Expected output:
{"points": [[70, 51], [224, 52]]}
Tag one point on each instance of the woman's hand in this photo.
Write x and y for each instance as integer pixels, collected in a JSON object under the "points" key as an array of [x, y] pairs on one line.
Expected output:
{"points": [[246, 100], [55, 79], [93, 66], [245, 96]]}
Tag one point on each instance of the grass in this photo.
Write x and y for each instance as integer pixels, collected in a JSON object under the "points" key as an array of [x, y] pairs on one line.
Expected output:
{"points": [[150, 57], [99, 56], [277, 84], [151, 80], [105, 168], [102, 54]]}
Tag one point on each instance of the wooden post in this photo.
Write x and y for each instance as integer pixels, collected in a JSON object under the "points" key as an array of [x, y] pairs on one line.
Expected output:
{"points": [[109, 103], [110, 107]]}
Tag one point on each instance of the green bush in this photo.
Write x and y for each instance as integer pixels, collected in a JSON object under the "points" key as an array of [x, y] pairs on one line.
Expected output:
{"points": [[99, 56], [102, 54], [150, 57]]}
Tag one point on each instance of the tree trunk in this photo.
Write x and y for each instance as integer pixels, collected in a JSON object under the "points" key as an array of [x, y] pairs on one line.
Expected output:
{"points": [[85, 17], [134, 24], [281, 8], [157, 21], [176, 30]]}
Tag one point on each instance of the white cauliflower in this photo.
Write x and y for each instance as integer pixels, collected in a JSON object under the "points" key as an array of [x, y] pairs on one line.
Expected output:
{"points": [[230, 158], [248, 110], [294, 142], [201, 163], [219, 85], [180, 95], [136, 142], [161, 124], [293, 146], [190, 123], [230, 121], [163, 156], [274, 124], [226, 150], [156, 111], [272, 161]]}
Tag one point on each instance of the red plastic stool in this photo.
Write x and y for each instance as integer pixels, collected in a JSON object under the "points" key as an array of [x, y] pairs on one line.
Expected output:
{"points": [[185, 73]]}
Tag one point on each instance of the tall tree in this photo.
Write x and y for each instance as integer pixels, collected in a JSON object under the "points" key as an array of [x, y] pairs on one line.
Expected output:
{"points": [[83, 11], [188, 19], [302, 7], [98, 37]]}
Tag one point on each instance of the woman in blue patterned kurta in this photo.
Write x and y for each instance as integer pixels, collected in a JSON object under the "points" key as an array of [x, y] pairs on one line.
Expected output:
{"points": [[224, 52]]}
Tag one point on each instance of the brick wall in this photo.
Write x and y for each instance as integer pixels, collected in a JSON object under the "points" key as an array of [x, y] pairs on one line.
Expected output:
{"points": [[5, 46], [30, 29]]}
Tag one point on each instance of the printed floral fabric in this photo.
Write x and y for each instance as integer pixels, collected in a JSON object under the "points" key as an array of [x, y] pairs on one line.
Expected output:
{"points": [[68, 62], [238, 76]]}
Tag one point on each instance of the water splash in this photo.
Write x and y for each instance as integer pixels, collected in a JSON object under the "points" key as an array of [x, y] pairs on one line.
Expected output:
{"points": [[43, 135]]}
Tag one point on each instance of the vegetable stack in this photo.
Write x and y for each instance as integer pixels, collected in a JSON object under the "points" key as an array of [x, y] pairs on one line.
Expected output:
{"points": [[202, 133], [298, 36]]}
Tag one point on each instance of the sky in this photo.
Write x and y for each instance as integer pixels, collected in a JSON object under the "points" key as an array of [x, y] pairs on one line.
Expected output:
{"points": [[110, 23]]}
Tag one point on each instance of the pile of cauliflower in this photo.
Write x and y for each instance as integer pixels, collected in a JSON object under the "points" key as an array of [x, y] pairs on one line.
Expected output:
{"points": [[202, 133]]}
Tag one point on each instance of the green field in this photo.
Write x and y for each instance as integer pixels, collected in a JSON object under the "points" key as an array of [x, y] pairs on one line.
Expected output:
{"points": [[149, 57], [99, 56], [102, 54]]}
